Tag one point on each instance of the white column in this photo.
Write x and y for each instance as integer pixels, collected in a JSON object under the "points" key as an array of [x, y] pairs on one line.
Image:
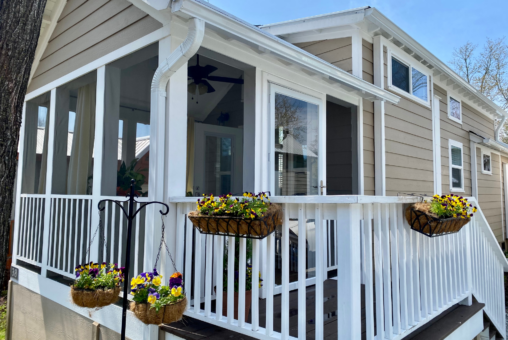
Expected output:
{"points": [[356, 47], [61, 134], [111, 118], [129, 141], [436, 141], [379, 120], [30, 148], [349, 282], [474, 170], [250, 105]]}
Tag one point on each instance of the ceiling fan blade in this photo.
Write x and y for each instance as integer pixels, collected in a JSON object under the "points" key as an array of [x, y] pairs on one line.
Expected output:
{"points": [[225, 79], [210, 87], [208, 69]]}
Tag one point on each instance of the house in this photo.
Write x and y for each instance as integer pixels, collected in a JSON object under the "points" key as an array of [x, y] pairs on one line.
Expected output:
{"points": [[342, 117]]}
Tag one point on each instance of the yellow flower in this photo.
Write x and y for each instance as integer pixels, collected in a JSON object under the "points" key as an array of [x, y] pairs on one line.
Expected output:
{"points": [[454, 215], [156, 281], [152, 299], [176, 292]]}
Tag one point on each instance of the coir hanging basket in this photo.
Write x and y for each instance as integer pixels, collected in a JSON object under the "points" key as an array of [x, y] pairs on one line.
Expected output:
{"points": [[423, 221], [167, 314], [257, 228], [94, 298]]}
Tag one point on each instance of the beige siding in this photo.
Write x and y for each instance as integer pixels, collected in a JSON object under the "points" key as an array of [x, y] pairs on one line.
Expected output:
{"points": [[490, 196], [337, 52], [367, 61], [88, 30], [409, 154], [368, 147], [504, 161]]}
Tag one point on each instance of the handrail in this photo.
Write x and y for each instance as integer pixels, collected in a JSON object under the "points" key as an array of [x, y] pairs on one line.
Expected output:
{"points": [[491, 237], [346, 199]]}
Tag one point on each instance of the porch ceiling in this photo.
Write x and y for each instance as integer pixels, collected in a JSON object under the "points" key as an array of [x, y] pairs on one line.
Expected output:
{"points": [[232, 28]]}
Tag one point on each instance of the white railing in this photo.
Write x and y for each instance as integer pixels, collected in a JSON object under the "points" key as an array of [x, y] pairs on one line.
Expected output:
{"points": [[31, 229], [488, 264], [409, 279], [69, 232]]}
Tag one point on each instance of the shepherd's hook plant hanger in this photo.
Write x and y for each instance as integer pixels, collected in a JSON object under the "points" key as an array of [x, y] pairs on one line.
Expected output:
{"points": [[130, 215]]}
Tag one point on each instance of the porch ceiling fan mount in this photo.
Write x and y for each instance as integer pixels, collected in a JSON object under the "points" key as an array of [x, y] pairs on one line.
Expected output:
{"points": [[200, 75]]}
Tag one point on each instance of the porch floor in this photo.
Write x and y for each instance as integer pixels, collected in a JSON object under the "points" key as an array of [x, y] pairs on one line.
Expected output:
{"points": [[190, 328]]}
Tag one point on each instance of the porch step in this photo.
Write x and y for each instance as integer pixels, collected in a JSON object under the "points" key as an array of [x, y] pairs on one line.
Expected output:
{"points": [[445, 324], [193, 329]]}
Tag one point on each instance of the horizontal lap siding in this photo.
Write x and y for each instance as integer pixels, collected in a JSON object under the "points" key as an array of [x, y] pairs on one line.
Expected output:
{"points": [[409, 149], [337, 52], [368, 122], [504, 161], [490, 195], [88, 30]]}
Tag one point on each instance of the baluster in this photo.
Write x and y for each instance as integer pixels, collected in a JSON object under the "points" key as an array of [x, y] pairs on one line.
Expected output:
{"points": [[402, 265], [387, 287], [219, 246], [29, 229], [208, 276], [409, 235], [33, 248], [255, 285], [434, 272], [231, 278], [60, 231], [378, 258], [120, 249], [197, 272], [369, 279], [415, 240], [320, 270], [270, 282], [114, 209], [187, 274], [136, 242], [180, 236], [424, 275], [285, 274], [302, 272], [392, 216]]}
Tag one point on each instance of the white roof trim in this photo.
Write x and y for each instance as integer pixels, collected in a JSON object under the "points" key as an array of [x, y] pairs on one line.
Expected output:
{"points": [[50, 18], [258, 38]]}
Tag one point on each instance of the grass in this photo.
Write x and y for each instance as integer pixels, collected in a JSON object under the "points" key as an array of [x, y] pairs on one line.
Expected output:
{"points": [[3, 314]]}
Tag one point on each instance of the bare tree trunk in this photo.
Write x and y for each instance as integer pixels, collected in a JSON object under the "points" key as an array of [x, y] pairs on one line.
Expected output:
{"points": [[20, 24]]}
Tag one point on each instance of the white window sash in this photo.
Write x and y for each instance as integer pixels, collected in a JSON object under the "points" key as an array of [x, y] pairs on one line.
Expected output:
{"points": [[486, 153], [452, 143], [450, 109]]}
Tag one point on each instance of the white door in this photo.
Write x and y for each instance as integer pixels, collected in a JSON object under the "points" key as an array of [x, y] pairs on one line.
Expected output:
{"points": [[297, 152], [218, 161]]}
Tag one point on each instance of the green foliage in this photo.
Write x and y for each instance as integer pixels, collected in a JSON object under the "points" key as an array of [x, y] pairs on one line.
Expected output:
{"points": [[448, 206], [252, 206], [94, 276], [126, 174], [248, 271], [3, 315]]}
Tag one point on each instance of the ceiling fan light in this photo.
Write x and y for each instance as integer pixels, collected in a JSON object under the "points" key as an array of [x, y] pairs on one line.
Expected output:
{"points": [[203, 89], [191, 88]]}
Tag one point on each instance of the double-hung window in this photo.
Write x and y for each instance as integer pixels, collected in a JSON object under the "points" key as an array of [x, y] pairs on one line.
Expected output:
{"points": [[486, 162], [456, 166], [408, 80]]}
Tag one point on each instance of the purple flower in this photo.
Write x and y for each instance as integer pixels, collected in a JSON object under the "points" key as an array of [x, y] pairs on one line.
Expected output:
{"points": [[175, 281], [151, 290], [78, 274], [155, 273], [94, 272]]}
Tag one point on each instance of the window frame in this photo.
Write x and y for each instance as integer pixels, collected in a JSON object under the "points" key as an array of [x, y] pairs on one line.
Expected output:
{"points": [[449, 108], [411, 64], [488, 153], [452, 166]]}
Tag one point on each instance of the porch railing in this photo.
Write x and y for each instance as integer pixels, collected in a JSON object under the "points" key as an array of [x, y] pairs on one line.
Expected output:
{"points": [[408, 278]]}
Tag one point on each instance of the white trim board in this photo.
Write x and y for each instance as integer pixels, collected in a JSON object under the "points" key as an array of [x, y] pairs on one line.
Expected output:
{"points": [[461, 167], [469, 329]]}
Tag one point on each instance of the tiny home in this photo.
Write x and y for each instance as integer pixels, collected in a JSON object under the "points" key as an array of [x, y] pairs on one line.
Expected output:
{"points": [[344, 118]]}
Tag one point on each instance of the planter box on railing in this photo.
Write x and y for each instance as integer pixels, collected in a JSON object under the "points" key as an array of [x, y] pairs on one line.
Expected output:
{"points": [[257, 228], [432, 226]]}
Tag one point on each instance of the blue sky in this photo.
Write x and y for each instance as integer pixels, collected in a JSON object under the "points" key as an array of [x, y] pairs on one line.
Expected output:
{"points": [[439, 25]]}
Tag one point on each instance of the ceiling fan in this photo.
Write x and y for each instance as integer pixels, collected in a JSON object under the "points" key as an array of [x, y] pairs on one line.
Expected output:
{"points": [[200, 75]]}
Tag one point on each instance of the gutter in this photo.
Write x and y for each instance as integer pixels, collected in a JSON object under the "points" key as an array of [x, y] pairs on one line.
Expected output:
{"points": [[500, 126]]}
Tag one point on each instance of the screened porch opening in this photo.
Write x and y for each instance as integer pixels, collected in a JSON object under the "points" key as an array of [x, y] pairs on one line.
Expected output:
{"points": [[216, 116]]}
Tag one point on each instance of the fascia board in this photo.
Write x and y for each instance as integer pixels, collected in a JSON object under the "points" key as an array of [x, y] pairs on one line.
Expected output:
{"points": [[377, 18], [257, 37], [151, 8], [316, 23]]}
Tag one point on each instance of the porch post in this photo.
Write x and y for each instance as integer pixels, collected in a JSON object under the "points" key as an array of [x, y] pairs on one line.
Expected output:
{"points": [[349, 274], [49, 185], [379, 120]]}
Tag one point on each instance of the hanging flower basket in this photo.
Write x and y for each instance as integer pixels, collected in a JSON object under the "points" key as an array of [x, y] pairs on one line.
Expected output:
{"points": [[155, 303], [96, 286], [443, 215], [250, 217]]}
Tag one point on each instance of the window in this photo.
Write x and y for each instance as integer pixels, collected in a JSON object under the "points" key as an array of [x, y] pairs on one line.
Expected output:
{"points": [[406, 79], [486, 162], [456, 166], [454, 109]]}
